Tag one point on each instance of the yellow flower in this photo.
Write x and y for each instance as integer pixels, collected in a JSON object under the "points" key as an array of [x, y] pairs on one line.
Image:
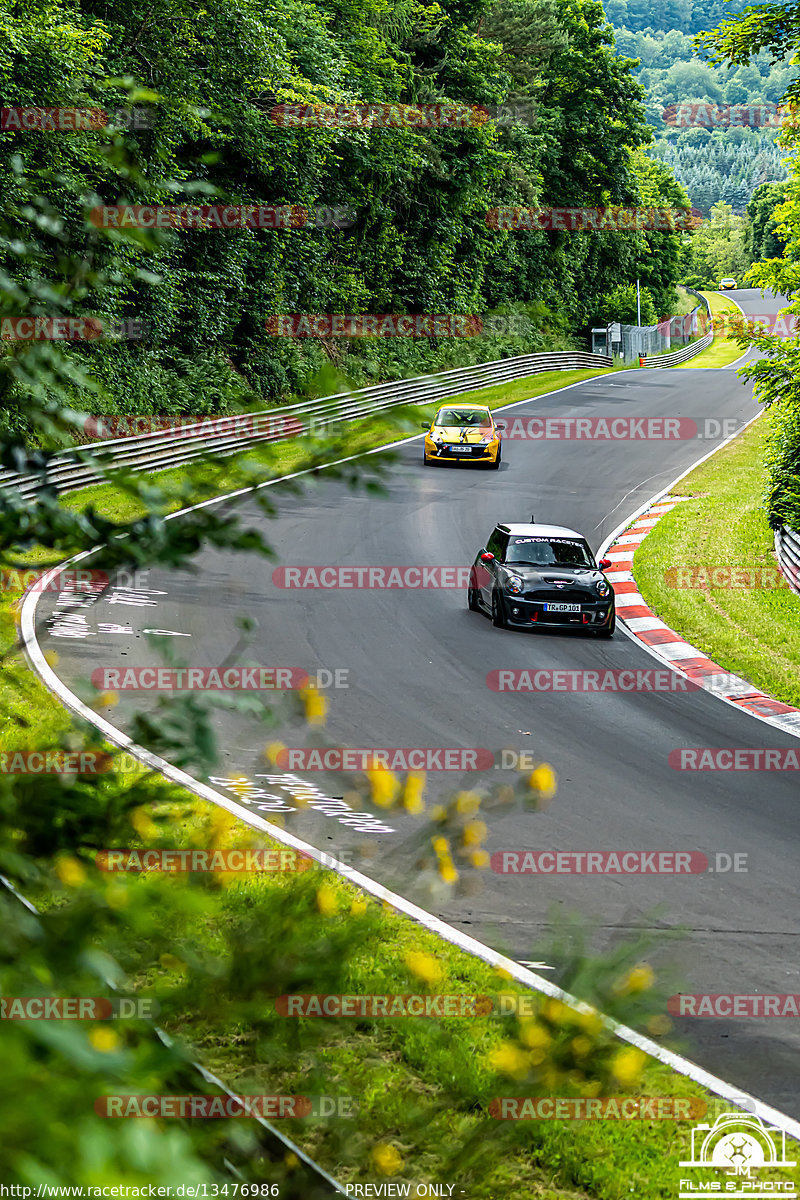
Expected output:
{"points": [[467, 803], [508, 1059], [358, 907], [534, 1035], [581, 1045], [106, 700], [591, 1022], [555, 1011], [543, 781], [503, 973], [384, 787], [387, 1160], [626, 1065], [474, 833], [441, 846], [438, 813], [103, 1038], [412, 794], [424, 966], [326, 901], [171, 962], [70, 871], [447, 870], [638, 979], [659, 1025], [272, 750], [316, 705], [291, 1161], [143, 823], [51, 658], [222, 822], [479, 858], [117, 896]]}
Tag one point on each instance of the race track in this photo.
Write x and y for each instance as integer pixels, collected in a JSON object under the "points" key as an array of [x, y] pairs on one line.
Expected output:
{"points": [[417, 662]]}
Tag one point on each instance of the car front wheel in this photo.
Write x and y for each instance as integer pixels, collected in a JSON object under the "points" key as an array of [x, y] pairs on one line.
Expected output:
{"points": [[498, 610], [472, 600], [609, 632]]}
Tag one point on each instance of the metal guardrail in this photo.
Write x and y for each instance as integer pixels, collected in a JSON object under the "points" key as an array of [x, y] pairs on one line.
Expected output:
{"points": [[318, 1179], [158, 451], [686, 352], [678, 356], [787, 551]]}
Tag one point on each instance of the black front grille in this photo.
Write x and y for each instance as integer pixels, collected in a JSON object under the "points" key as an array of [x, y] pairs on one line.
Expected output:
{"points": [[560, 618], [560, 596]]}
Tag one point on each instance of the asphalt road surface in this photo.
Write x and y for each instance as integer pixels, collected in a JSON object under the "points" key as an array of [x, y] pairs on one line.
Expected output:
{"points": [[416, 665]]}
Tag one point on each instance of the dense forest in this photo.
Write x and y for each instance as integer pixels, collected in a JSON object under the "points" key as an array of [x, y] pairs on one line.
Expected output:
{"points": [[715, 165], [208, 81]]}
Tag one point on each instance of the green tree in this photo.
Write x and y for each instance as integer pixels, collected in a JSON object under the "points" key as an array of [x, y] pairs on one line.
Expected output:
{"points": [[762, 236]]}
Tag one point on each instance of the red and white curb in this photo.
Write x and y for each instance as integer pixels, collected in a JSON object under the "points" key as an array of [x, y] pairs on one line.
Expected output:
{"points": [[664, 643]]}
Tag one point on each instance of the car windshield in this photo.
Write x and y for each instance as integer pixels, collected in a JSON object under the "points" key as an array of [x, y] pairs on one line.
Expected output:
{"points": [[549, 552], [461, 416]]}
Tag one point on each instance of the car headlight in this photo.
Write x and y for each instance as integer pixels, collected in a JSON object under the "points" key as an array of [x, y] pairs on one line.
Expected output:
{"points": [[602, 588], [514, 585]]}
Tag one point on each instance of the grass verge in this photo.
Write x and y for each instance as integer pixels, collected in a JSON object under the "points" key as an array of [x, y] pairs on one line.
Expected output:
{"points": [[384, 1064], [752, 631], [722, 351]]}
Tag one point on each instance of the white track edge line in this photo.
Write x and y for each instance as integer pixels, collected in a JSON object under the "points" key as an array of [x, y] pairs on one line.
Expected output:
{"points": [[774, 721], [433, 924], [469, 945]]}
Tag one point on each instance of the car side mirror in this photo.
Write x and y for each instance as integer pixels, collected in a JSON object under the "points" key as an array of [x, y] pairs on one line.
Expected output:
{"points": [[500, 424], [425, 425], [605, 563], [487, 556]]}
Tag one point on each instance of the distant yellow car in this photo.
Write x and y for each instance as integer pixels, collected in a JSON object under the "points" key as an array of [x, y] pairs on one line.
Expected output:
{"points": [[727, 285], [463, 433]]}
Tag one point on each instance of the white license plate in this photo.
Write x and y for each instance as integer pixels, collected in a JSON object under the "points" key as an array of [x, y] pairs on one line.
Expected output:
{"points": [[562, 608], [460, 450]]}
